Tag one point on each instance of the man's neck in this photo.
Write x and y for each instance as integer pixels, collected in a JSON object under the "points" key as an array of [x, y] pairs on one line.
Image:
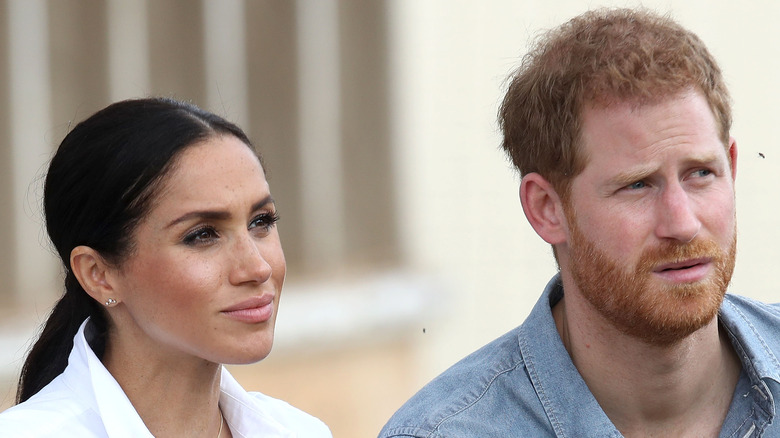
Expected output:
{"points": [[649, 390]]}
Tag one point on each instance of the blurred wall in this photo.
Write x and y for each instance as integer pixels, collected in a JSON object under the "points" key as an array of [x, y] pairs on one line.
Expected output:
{"points": [[451, 60], [406, 242]]}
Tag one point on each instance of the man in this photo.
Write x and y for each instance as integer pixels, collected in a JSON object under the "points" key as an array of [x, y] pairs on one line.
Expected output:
{"points": [[618, 122]]}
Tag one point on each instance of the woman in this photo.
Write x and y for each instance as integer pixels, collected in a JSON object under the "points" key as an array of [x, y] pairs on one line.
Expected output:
{"points": [[163, 219]]}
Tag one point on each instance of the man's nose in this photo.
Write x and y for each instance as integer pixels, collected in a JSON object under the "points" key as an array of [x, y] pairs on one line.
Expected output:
{"points": [[676, 215]]}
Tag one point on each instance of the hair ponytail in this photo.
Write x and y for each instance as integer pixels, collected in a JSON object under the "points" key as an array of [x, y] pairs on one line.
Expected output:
{"points": [[99, 186], [49, 355]]}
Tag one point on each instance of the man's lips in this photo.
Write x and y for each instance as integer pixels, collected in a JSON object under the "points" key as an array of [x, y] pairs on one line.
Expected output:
{"points": [[687, 271], [686, 264]]}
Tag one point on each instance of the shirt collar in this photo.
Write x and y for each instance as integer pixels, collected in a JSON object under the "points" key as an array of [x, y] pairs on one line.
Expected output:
{"points": [[244, 414], [574, 410], [120, 419], [571, 409], [752, 327], [749, 335], [87, 376]]}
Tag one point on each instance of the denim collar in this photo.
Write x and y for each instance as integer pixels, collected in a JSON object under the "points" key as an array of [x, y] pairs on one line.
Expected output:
{"points": [[573, 409], [751, 336], [748, 333]]}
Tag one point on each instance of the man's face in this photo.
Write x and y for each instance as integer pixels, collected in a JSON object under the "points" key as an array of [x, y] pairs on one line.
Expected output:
{"points": [[651, 219]]}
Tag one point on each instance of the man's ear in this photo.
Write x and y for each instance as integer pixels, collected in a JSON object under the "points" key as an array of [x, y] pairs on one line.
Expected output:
{"points": [[543, 208], [732, 151], [92, 272]]}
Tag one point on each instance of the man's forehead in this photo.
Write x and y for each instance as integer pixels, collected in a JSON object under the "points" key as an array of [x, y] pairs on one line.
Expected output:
{"points": [[678, 115]]}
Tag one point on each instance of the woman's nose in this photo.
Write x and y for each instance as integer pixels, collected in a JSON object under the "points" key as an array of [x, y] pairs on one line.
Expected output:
{"points": [[248, 263]]}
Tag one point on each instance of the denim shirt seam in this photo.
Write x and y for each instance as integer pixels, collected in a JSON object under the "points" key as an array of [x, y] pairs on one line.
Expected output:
{"points": [[409, 431], [528, 359], [738, 430], [744, 360], [478, 398], [754, 375], [752, 371], [756, 335]]}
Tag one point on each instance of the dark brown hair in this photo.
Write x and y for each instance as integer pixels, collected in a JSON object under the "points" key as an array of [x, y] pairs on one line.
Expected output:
{"points": [[100, 184]]}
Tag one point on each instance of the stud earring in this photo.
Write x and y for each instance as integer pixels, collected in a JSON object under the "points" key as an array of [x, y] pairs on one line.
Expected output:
{"points": [[110, 302]]}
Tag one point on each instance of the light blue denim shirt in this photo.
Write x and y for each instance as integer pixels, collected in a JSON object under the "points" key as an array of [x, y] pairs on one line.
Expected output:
{"points": [[524, 384]]}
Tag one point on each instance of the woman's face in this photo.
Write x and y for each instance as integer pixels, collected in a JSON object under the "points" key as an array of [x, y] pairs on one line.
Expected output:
{"points": [[207, 267]]}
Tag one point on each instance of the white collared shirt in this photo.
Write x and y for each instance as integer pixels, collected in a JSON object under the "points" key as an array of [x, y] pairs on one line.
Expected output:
{"points": [[85, 401]]}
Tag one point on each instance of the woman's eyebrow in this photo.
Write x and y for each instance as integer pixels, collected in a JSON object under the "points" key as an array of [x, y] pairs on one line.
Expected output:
{"points": [[217, 215]]}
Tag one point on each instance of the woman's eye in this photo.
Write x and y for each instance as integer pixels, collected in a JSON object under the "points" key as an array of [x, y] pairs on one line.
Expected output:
{"points": [[200, 236], [264, 221]]}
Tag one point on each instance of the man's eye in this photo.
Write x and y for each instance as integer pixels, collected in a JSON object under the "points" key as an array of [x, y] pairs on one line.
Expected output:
{"points": [[637, 185]]}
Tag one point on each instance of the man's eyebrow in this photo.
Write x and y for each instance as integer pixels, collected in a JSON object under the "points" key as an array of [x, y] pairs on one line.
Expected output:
{"points": [[216, 215], [640, 173], [630, 176]]}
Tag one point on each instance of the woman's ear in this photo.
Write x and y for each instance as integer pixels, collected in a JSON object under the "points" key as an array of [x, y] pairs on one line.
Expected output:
{"points": [[92, 272], [543, 208]]}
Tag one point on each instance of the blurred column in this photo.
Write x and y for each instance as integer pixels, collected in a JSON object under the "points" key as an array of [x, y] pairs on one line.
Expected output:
{"points": [[7, 235], [370, 201], [226, 66], [272, 71], [128, 49], [30, 121], [320, 133], [78, 63], [176, 54]]}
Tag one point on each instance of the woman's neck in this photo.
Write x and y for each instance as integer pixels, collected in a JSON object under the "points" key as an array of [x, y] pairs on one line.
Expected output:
{"points": [[187, 387]]}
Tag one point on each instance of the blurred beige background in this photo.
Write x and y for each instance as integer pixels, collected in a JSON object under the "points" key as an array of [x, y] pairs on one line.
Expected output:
{"points": [[406, 244]]}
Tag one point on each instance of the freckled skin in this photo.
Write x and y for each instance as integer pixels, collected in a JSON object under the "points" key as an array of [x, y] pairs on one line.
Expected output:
{"points": [[658, 188], [187, 267], [645, 241]]}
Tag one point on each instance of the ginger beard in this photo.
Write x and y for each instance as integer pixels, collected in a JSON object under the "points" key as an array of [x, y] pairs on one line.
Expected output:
{"points": [[642, 307]]}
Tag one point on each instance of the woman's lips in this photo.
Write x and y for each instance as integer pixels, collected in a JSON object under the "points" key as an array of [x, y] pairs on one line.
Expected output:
{"points": [[253, 310]]}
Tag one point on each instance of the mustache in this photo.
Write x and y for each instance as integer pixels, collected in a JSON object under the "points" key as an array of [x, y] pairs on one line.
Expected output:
{"points": [[675, 253]]}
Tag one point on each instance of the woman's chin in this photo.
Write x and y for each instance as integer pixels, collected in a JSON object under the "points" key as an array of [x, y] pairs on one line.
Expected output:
{"points": [[247, 356]]}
